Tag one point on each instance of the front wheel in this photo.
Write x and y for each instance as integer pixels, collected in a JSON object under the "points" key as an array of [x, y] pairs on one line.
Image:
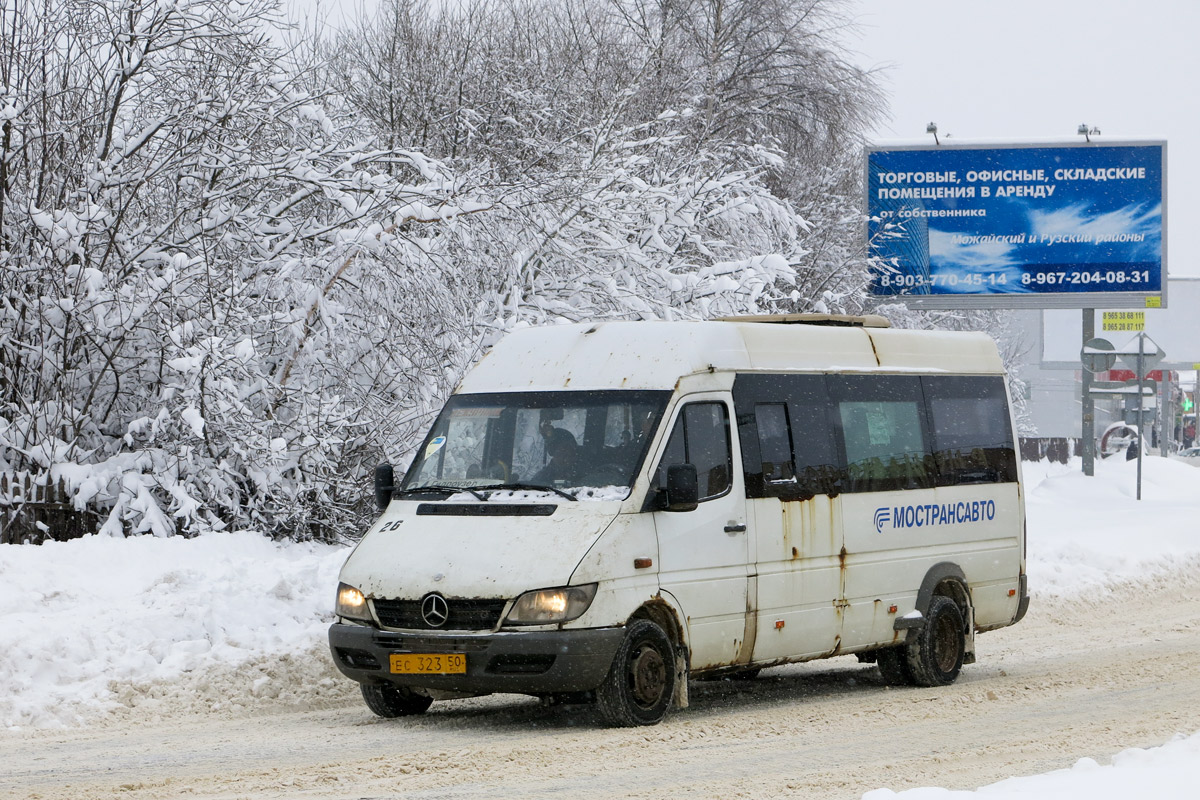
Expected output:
{"points": [[641, 680], [394, 701]]}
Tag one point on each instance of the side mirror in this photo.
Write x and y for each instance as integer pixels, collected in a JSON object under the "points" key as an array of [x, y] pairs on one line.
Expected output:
{"points": [[683, 487], [384, 480]]}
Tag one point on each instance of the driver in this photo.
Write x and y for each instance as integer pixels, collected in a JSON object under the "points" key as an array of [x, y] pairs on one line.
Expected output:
{"points": [[564, 457]]}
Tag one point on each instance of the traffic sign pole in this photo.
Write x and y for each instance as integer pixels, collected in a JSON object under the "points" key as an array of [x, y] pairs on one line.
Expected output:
{"points": [[1165, 416], [1141, 440], [1088, 431]]}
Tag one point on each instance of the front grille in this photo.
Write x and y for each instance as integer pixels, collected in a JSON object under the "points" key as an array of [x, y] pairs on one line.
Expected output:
{"points": [[486, 510], [464, 615], [403, 643]]}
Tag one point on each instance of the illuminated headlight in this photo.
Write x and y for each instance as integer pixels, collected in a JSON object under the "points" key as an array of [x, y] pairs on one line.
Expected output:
{"points": [[549, 606], [351, 603]]}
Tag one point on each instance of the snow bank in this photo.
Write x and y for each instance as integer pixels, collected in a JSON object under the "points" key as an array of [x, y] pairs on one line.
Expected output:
{"points": [[1089, 533], [1172, 770], [94, 626]]}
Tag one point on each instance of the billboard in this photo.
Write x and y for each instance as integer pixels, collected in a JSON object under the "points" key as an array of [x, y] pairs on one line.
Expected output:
{"points": [[1077, 225]]}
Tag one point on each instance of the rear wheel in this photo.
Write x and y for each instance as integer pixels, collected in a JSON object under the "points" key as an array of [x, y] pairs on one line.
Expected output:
{"points": [[935, 652], [394, 701], [641, 680]]}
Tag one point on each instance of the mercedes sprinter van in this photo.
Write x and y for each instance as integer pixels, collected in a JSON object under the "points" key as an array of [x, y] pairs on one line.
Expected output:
{"points": [[603, 511]]}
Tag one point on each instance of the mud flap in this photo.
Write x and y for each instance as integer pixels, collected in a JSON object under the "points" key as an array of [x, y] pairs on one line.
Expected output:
{"points": [[680, 698], [969, 637]]}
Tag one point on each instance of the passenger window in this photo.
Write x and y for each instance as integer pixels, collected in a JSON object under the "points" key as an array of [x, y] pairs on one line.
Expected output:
{"points": [[882, 421], [775, 443], [786, 436], [972, 434], [701, 437]]}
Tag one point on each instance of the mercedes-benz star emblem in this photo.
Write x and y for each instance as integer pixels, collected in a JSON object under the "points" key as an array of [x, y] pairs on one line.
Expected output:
{"points": [[434, 610]]}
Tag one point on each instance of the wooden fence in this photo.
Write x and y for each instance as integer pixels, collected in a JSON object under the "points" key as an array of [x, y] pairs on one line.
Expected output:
{"points": [[1057, 449], [35, 509]]}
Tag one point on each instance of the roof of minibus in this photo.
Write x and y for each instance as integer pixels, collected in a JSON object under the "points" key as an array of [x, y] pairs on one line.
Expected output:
{"points": [[654, 355]]}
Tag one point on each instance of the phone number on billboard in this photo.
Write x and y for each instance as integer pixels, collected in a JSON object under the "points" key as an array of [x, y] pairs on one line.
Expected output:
{"points": [[912, 281], [1112, 276]]}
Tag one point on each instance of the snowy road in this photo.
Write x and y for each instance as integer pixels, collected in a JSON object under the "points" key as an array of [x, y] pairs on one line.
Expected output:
{"points": [[1078, 677]]}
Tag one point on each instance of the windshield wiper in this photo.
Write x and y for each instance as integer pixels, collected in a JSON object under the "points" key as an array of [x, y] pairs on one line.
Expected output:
{"points": [[535, 487], [434, 487]]}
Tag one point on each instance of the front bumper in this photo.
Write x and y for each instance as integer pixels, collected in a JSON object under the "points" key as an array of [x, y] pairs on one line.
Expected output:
{"points": [[522, 662]]}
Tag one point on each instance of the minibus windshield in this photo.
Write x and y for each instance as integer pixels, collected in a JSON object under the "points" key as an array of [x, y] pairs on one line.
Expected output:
{"points": [[584, 444]]}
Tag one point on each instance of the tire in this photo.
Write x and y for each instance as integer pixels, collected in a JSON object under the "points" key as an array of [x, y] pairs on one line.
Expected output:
{"points": [[893, 666], [935, 652], [641, 681], [394, 701]]}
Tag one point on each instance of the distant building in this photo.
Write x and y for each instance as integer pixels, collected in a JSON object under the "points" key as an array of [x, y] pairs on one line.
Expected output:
{"points": [[1051, 368]]}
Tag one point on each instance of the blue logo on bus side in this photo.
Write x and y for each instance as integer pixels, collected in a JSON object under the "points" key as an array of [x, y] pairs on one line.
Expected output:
{"points": [[931, 514]]}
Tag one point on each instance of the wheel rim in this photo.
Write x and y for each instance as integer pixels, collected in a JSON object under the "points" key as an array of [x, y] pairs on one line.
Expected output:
{"points": [[648, 676], [945, 644]]}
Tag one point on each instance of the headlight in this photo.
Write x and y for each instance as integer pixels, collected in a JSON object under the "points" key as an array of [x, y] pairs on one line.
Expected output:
{"points": [[549, 606], [351, 603]]}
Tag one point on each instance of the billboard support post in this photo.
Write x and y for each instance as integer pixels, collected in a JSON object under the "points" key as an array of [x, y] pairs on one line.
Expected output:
{"points": [[1141, 374], [1088, 428]]}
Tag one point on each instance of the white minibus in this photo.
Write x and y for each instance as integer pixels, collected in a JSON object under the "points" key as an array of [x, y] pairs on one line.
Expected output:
{"points": [[603, 511]]}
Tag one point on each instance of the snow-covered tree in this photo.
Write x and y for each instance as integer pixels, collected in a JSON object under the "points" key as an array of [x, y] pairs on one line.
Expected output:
{"points": [[224, 297], [548, 103], [189, 332]]}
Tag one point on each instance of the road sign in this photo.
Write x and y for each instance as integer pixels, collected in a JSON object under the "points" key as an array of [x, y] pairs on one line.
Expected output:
{"points": [[1119, 387], [1149, 395], [1146, 351], [1097, 355]]}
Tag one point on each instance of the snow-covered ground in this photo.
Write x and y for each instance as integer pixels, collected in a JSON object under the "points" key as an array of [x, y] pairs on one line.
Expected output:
{"points": [[1170, 771], [91, 628], [94, 626], [1085, 533]]}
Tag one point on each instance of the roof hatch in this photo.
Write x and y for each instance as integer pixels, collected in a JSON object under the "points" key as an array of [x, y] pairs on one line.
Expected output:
{"points": [[835, 320]]}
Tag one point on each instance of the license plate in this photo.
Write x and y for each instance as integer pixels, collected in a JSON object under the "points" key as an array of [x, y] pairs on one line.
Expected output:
{"points": [[428, 663]]}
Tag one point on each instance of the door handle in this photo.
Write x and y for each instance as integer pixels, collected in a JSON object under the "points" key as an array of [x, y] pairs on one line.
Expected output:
{"points": [[734, 527]]}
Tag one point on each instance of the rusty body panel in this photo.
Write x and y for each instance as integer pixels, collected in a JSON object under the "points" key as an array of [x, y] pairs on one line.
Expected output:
{"points": [[797, 548]]}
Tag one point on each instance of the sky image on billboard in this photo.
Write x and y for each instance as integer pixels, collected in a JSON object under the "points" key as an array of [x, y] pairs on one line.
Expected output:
{"points": [[1018, 220]]}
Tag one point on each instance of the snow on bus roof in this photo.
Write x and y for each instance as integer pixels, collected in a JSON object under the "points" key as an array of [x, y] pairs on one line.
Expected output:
{"points": [[655, 354]]}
